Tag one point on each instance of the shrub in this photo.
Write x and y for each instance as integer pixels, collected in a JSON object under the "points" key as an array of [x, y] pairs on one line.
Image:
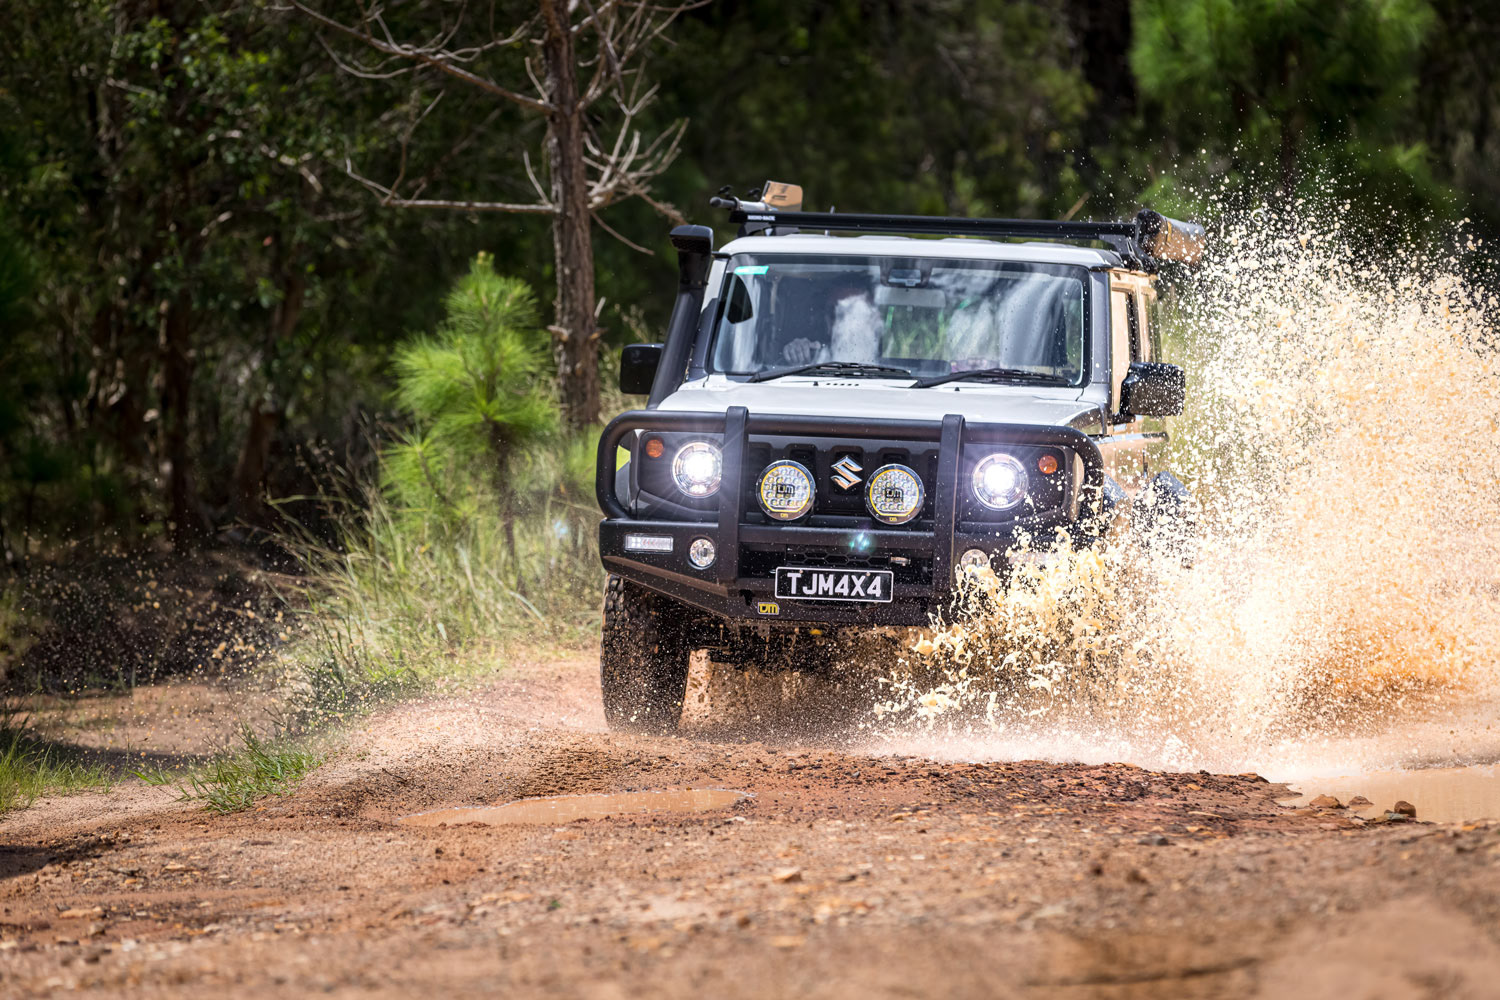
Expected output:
{"points": [[479, 531]]}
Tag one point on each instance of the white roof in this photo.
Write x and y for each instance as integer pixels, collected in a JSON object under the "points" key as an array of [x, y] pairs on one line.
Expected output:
{"points": [[965, 248]]}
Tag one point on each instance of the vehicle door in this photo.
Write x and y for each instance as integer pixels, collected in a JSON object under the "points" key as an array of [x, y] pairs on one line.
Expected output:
{"points": [[1129, 447]]}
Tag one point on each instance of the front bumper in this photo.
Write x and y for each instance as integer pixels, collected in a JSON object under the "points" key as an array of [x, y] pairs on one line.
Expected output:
{"points": [[739, 586]]}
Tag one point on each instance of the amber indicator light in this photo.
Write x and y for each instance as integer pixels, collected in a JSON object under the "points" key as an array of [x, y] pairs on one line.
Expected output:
{"points": [[654, 448], [1047, 464]]}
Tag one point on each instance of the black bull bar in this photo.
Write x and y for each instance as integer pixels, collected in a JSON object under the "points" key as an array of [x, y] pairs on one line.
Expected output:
{"points": [[716, 589]]}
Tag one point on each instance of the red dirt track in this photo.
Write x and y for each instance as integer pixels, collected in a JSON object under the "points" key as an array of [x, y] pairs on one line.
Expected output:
{"points": [[845, 875]]}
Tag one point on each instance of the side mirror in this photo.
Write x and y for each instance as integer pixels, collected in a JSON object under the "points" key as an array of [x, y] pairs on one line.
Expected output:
{"points": [[638, 364], [1153, 389]]}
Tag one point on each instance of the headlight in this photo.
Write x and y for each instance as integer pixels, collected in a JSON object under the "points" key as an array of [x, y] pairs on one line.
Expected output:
{"points": [[999, 482], [785, 490], [894, 494], [698, 469]]}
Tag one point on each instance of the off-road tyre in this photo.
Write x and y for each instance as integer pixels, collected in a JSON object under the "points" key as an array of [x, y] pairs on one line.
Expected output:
{"points": [[643, 658]]}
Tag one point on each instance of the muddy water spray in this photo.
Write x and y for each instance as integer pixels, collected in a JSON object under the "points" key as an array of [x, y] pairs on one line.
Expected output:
{"points": [[1343, 447]]}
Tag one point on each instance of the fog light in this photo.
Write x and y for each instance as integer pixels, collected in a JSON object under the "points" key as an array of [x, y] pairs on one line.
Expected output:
{"points": [[648, 543], [702, 553], [972, 561]]}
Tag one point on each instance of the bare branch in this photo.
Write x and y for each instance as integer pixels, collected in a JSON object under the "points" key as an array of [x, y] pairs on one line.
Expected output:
{"points": [[607, 7], [389, 198], [406, 140], [541, 88], [611, 231], [662, 207], [439, 60], [609, 50], [354, 70], [531, 174]]}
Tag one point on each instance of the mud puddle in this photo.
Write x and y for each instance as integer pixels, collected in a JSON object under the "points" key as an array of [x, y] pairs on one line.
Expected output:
{"points": [[1440, 794], [558, 809]]}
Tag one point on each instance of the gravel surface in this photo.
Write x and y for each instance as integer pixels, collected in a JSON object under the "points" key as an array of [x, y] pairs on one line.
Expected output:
{"points": [[844, 874]]}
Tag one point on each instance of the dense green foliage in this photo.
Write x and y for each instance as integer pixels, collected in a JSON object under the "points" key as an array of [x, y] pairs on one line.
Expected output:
{"points": [[477, 393], [200, 309]]}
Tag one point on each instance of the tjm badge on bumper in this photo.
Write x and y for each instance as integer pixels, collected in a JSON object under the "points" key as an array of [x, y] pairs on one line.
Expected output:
{"points": [[799, 583]]}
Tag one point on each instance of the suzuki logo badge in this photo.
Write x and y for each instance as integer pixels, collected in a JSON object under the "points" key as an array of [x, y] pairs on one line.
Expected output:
{"points": [[846, 472]]}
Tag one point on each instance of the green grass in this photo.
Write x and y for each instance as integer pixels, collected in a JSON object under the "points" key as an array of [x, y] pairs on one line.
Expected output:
{"points": [[30, 768], [407, 598], [236, 780], [156, 774]]}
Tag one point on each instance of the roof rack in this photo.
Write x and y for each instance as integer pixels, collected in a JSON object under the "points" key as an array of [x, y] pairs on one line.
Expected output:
{"points": [[1142, 242]]}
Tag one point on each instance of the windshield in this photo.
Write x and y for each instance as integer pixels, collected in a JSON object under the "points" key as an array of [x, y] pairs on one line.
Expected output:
{"points": [[930, 316]]}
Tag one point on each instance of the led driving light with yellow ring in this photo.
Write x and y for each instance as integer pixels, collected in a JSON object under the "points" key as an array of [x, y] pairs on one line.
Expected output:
{"points": [[785, 490], [894, 494]]}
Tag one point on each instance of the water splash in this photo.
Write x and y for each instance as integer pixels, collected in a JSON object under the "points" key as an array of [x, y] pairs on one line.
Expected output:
{"points": [[1341, 444]]}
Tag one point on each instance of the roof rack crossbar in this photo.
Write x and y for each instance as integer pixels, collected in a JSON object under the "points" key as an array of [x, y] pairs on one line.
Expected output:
{"points": [[1142, 242], [936, 225]]}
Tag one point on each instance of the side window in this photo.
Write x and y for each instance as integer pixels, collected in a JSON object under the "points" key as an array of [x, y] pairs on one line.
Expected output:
{"points": [[1121, 312], [1137, 342], [1152, 314], [739, 309], [1150, 344], [734, 349]]}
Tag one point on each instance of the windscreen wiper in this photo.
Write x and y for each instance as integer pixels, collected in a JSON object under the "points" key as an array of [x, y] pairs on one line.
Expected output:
{"points": [[990, 375], [852, 369]]}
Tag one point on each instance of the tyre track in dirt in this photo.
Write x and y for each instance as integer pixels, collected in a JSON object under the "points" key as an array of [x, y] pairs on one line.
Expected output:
{"points": [[845, 874]]}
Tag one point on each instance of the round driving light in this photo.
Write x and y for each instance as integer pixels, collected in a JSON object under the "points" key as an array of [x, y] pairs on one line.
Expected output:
{"points": [[697, 469], [894, 494], [785, 490], [654, 448], [972, 561], [999, 482], [702, 553], [1047, 464]]}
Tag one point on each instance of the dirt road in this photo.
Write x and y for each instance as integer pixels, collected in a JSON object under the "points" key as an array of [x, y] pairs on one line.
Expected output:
{"points": [[844, 874]]}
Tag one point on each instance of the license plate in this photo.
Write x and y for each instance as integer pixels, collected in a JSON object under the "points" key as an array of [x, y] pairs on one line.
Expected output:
{"points": [[800, 583]]}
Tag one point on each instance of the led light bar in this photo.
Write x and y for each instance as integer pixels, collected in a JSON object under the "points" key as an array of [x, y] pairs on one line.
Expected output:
{"points": [[648, 543]]}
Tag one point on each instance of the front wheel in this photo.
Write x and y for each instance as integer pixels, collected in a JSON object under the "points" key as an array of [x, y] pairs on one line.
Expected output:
{"points": [[643, 658]]}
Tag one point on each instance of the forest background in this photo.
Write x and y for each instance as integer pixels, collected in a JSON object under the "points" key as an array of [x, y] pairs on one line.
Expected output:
{"points": [[250, 300]]}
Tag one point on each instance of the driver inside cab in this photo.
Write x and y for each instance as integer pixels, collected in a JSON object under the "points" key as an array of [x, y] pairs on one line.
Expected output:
{"points": [[834, 321]]}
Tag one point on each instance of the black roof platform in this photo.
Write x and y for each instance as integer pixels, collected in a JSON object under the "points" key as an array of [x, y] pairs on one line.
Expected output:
{"points": [[1141, 242]]}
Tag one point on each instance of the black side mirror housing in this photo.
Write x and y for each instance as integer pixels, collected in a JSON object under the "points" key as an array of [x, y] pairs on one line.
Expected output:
{"points": [[638, 364], [1153, 389]]}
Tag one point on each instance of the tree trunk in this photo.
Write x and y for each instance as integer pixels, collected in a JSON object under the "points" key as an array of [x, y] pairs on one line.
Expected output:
{"points": [[575, 334], [187, 522], [264, 415], [250, 468]]}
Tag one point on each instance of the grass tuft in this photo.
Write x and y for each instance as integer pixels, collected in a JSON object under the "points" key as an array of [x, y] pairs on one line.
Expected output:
{"points": [[30, 768], [236, 780]]}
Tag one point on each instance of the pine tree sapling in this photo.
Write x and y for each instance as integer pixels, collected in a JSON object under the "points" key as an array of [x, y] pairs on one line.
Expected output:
{"points": [[478, 392]]}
